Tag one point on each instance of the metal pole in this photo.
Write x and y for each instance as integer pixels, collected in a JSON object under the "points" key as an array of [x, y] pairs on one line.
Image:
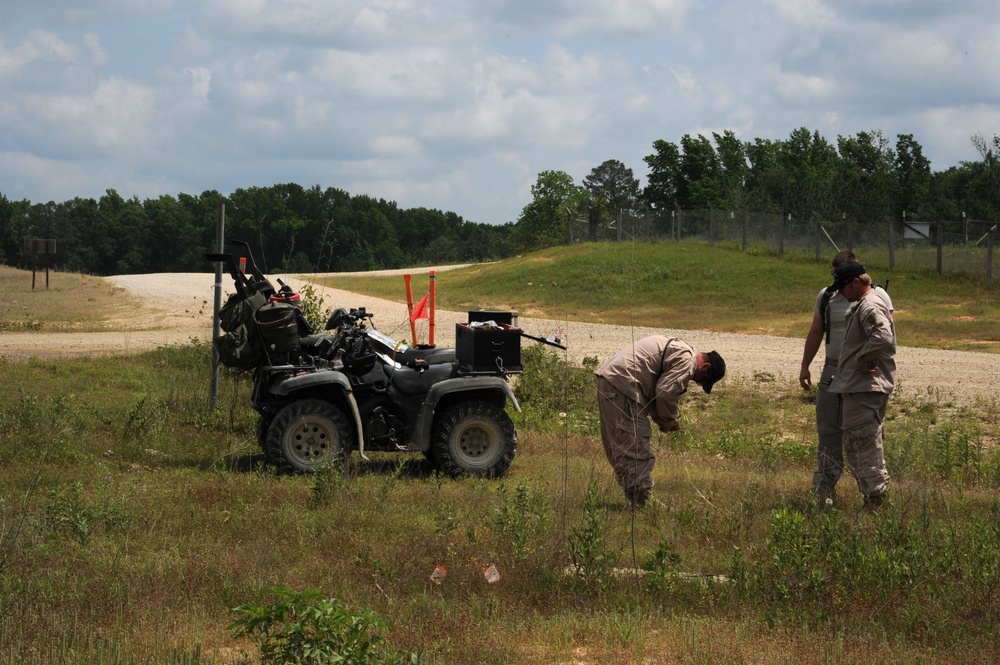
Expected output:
{"points": [[989, 257], [892, 248], [940, 245], [220, 244]]}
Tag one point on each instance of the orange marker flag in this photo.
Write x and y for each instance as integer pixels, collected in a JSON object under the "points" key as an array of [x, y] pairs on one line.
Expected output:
{"points": [[420, 310]]}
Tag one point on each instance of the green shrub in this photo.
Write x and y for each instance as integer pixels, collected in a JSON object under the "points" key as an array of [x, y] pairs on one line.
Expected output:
{"points": [[301, 628]]}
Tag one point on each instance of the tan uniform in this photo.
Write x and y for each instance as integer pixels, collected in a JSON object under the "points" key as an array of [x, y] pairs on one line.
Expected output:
{"points": [[642, 381], [830, 451], [870, 337]]}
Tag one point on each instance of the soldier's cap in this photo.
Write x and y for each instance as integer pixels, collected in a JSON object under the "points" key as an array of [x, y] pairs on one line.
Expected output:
{"points": [[718, 370], [844, 274]]}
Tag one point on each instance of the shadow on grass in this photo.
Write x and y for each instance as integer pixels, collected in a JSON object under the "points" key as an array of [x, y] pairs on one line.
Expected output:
{"points": [[393, 464]]}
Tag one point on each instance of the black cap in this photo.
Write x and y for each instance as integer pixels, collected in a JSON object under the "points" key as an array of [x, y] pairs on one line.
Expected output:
{"points": [[844, 274], [718, 370]]}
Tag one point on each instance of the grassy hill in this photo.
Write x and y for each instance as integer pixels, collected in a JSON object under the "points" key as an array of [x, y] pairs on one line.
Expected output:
{"points": [[693, 286]]}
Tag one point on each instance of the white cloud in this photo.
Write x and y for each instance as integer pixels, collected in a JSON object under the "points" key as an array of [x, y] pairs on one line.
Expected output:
{"points": [[459, 104]]}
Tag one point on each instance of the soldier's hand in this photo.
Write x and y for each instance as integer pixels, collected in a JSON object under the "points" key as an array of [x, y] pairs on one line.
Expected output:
{"points": [[805, 378]]}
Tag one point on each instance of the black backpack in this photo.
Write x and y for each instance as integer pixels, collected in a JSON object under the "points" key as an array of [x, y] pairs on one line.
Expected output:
{"points": [[241, 346]]}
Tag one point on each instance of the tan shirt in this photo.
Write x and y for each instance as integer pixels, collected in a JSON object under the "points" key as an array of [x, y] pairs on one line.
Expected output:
{"points": [[870, 335], [654, 372], [840, 307]]}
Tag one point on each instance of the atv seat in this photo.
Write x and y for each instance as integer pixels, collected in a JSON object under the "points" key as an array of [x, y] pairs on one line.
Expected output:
{"points": [[429, 356], [415, 382], [407, 355]]}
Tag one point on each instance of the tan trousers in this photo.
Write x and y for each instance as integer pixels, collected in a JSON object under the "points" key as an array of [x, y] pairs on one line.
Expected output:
{"points": [[625, 433], [863, 425]]}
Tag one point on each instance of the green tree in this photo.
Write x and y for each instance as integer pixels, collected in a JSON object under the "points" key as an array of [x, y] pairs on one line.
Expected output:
{"points": [[128, 227], [556, 200], [983, 189], [700, 185], [664, 177], [734, 170], [174, 234], [13, 229], [796, 175], [865, 170], [911, 178], [614, 190]]}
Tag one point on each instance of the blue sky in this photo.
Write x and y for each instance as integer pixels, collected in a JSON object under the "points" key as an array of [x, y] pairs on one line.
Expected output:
{"points": [[459, 104]]}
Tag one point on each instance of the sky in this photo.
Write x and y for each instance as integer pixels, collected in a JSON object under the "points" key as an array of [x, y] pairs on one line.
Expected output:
{"points": [[458, 105]]}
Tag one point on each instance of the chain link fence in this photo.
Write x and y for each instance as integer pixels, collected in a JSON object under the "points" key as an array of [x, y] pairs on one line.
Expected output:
{"points": [[954, 247]]}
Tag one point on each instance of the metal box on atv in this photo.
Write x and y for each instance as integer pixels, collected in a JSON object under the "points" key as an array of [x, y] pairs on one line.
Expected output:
{"points": [[321, 396]]}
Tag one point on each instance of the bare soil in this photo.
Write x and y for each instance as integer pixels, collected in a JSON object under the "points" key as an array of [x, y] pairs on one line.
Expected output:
{"points": [[171, 309]]}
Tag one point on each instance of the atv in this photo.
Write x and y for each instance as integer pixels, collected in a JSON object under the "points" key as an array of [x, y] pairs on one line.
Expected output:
{"points": [[321, 396]]}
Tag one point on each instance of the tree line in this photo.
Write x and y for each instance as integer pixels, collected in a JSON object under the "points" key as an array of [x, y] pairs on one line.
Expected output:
{"points": [[290, 229], [295, 229]]}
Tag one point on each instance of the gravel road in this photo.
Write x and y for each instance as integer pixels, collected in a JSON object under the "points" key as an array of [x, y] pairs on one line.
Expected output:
{"points": [[175, 308]]}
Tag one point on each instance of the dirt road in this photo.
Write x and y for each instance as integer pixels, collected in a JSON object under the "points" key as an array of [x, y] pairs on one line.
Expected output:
{"points": [[176, 308]]}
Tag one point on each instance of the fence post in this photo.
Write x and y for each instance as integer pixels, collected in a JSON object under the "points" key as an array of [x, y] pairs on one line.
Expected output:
{"points": [[850, 233], [711, 225], [220, 247], [819, 238], [940, 245], [892, 248], [989, 256], [781, 233], [746, 221]]}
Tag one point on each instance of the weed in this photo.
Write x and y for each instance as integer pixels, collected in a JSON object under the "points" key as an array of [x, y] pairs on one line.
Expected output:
{"points": [[662, 567], [13, 522], [445, 519], [328, 478], [301, 627], [68, 511], [627, 628], [592, 556], [311, 305], [138, 418], [519, 517]]}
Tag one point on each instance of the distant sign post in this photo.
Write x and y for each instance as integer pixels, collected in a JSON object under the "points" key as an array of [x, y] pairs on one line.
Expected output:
{"points": [[44, 246]]}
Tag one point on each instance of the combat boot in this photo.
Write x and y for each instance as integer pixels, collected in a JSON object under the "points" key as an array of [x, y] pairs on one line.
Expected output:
{"points": [[637, 498], [875, 503]]}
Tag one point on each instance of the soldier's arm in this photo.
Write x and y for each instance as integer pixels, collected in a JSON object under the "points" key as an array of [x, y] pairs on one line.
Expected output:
{"points": [[878, 330], [813, 340]]}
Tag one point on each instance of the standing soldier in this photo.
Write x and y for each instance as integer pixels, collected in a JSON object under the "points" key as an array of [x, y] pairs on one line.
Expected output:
{"points": [[865, 377], [829, 319], [643, 381]]}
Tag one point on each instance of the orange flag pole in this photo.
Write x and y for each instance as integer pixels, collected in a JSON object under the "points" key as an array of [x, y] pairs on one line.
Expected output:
{"points": [[409, 309], [430, 301]]}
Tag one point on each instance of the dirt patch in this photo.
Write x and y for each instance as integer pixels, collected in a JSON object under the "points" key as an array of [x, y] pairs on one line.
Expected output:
{"points": [[171, 309]]}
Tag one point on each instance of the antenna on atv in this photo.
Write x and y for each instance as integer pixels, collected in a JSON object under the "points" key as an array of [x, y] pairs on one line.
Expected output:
{"points": [[253, 263]]}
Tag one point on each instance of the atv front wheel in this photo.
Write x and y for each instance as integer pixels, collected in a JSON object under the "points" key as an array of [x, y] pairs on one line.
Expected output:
{"points": [[474, 438], [305, 433]]}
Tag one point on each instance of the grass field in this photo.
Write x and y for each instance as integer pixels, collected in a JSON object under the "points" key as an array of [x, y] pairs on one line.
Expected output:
{"points": [[133, 520], [698, 287]]}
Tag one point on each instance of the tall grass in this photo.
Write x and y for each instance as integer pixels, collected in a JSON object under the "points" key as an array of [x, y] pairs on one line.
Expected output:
{"points": [[133, 521]]}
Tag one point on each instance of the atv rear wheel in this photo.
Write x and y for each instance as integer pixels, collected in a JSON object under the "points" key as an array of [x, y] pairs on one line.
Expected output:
{"points": [[474, 438], [305, 433]]}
